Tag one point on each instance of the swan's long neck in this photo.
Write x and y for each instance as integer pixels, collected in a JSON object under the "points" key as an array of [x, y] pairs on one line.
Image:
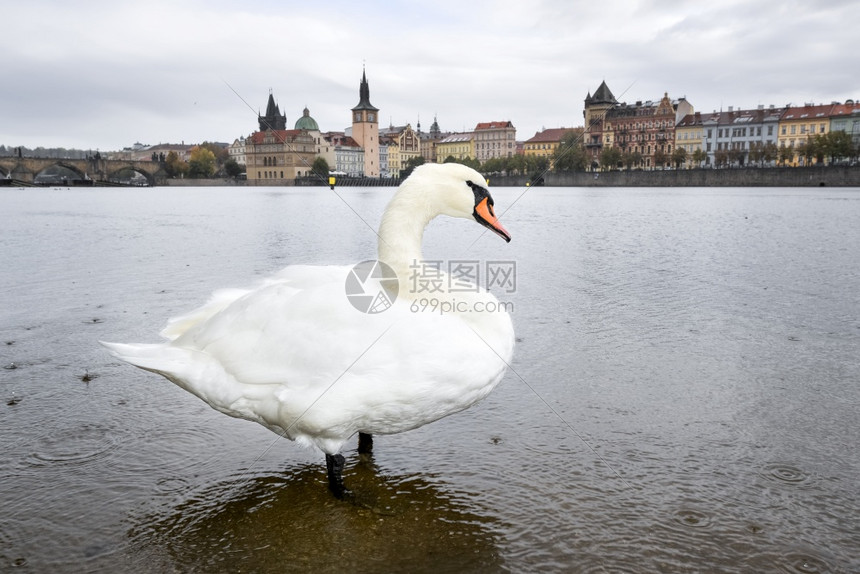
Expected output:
{"points": [[402, 230]]}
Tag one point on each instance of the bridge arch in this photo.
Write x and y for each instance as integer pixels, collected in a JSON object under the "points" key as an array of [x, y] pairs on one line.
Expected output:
{"points": [[118, 175], [90, 169], [13, 168], [61, 173]]}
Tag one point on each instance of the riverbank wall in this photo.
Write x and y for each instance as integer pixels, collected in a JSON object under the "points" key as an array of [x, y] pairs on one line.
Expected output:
{"points": [[213, 182], [829, 176]]}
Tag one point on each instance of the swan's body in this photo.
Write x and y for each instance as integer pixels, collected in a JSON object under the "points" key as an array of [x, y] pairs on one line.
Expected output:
{"points": [[294, 354]]}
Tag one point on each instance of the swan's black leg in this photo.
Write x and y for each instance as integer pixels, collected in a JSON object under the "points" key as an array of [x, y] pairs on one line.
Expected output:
{"points": [[334, 465], [365, 443]]}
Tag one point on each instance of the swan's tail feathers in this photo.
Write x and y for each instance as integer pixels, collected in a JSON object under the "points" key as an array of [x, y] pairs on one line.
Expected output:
{"points": [[176, 326], [191, 370], [161, 358]]}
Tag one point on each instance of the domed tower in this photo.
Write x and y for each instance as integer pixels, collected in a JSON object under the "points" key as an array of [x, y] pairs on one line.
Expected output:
{"points": [[365, 128], [306, 122]]}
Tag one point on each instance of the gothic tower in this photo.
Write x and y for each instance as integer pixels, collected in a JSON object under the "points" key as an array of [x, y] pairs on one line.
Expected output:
{"points": [[365, 128], [274, 119]]}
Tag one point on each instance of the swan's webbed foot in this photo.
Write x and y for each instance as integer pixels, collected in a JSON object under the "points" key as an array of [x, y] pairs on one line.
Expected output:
{"points": [[334, 466], [365, 443]]}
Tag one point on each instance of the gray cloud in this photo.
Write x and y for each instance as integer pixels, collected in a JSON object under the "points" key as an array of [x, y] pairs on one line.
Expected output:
{"points": [[106, 74]]}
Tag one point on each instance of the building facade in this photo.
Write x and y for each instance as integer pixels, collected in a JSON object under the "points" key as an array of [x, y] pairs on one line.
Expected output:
{"points": [[689, 136], [348, 155], [403, 144], [495, 140], [593, 113], [799, 123], [277, 157], [392, 151], [846, 118], [546, 142], [458, 146], [430, 140], [237, 151], [384, 170], [733, 137], [644, 129]]}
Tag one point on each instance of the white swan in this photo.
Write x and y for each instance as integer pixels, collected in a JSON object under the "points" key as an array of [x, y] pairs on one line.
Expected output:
{"points": [[296, 356]]}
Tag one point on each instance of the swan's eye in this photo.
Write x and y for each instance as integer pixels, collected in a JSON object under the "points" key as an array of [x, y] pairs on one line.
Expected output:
{"points": [[479, 191]]}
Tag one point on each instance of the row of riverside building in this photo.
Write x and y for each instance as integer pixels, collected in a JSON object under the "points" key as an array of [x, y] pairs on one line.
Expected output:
{"points": [[651, 129], [669, 124], [273, 154]]}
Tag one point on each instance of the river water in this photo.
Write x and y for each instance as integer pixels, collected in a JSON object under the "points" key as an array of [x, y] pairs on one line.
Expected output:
{"points": [[683, 396]]}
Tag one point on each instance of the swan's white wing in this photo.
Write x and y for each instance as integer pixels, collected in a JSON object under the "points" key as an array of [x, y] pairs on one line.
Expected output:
{"points": [[296, 356]]}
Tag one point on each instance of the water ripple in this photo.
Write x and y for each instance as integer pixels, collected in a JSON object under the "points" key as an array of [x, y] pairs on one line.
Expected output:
{"points": [[169, 451], [795, 562], [806, 564], [692, 518], [784, 473], [76, 445]]}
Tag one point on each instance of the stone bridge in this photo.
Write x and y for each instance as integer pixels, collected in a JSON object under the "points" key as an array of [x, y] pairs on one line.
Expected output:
{"points": [[27, 168]]}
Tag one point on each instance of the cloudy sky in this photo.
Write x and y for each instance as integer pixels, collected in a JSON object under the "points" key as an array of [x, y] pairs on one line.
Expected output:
{"points": [[106, 74]]}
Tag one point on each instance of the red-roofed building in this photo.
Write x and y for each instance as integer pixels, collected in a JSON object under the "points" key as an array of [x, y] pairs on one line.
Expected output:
{"points": [[645, 130], [544, 143], [846, 118], [799, 123], [495, 139]]}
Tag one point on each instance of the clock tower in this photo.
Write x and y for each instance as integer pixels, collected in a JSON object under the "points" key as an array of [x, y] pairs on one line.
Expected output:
{"points": [[365, 128]]}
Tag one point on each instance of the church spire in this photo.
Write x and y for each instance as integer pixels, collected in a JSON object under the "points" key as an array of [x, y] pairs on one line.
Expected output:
{"points": [[274, 119], [364, 95]]}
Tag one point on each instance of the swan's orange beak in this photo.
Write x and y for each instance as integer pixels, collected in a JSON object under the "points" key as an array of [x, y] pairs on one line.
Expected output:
{"points": [[485, 215]]}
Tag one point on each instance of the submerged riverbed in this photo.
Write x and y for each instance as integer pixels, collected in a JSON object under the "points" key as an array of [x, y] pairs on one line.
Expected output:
{"points": [[683, 396]]}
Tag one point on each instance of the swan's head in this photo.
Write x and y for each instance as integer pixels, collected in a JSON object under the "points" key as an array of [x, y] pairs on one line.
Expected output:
{"points": [[459, 191]]}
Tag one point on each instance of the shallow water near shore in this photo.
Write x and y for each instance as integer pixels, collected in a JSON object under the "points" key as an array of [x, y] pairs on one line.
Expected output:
{"points": [[683, 396]]}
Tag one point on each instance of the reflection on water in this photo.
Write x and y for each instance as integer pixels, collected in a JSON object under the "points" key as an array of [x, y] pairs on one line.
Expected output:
{"points": [[290, 522]]}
